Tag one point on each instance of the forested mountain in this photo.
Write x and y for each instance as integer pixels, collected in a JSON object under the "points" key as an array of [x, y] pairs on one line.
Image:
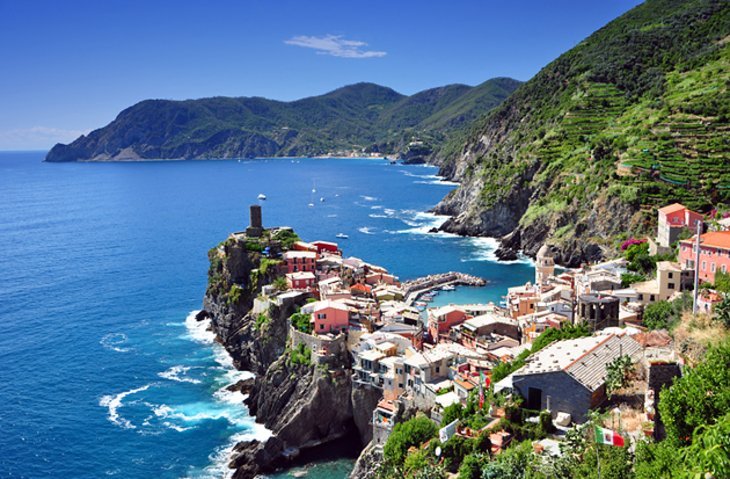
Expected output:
{"points": [[633, 117], [360, 117]]}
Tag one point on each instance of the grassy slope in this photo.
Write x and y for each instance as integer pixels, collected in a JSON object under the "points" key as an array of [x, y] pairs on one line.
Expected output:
{"points": [[648, 90]]}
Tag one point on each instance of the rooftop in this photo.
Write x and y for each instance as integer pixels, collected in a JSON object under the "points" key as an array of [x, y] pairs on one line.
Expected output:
{"points": [[320, 305], [300, 254], [485, 320], [716, 239], [673, 208]]}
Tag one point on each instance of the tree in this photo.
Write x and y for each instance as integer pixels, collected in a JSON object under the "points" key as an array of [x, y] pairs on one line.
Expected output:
{"points": [[405, 435], [722, 311], [699, 398], [471, 466], [657, 315], [451, 413], [722, 282], [617, 373]]}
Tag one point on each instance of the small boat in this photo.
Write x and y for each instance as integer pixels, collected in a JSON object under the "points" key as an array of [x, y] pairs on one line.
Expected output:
{"points": [[342, 236], [261, 196], [321, 200], [448, 287], [311, 205]]}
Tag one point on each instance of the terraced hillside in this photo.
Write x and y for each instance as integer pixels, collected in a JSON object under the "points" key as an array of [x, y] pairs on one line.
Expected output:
{"points": [[634, 117]]}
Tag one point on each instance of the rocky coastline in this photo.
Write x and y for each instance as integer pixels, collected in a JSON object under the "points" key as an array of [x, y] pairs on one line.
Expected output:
{"points": [[288, 398]]}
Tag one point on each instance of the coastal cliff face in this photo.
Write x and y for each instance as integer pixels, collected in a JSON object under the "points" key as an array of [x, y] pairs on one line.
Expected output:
{"points": [[305, 405], [633, 118]]}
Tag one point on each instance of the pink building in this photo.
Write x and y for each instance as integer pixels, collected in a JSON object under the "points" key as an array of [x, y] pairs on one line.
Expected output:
{"points": [[297, 261], [300, 280], [440, 320], [380, 277], [714, 254], [672, 220], [330, 317]]}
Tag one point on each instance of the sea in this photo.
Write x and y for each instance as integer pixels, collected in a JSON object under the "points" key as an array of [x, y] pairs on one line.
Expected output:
{"points": [[103, 370]]}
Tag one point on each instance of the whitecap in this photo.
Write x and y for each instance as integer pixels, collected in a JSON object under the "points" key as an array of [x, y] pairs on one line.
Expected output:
{"points": [[177, 373], [113, 342], [199, 331], [113, 403], [368, 198], [485, 250], [376, 207], [366, 230], [374, 215], [438, 182]]}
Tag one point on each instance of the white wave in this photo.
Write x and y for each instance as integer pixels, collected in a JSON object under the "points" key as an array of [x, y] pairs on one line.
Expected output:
{"points": [[423, 222], [485, 249], [176, 373], [113, 403], [374, 215], [332, 216], [113, 342], [438, 182], [199, 331], [425, 177], [366, 230], [368, 198], [376, 207], [389, 212]]}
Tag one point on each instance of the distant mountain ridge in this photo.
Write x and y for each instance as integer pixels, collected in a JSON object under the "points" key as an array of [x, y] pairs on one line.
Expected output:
{"points": [[363, 116]]}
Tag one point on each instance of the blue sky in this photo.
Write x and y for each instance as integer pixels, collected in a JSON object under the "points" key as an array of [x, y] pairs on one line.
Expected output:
{"points": [[67, 67]]}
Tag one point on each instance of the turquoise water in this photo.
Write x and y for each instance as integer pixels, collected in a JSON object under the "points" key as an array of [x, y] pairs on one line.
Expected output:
{"points": [[102, 371]]}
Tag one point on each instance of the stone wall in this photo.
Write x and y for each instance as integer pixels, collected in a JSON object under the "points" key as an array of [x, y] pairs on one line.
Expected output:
{"points": [[321, 347], [566, 394]]}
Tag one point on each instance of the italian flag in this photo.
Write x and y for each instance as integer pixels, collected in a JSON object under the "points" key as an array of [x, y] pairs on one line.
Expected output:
{"points": [[607, 436]]}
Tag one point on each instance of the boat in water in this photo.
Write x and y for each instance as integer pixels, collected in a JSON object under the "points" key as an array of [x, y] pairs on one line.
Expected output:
{"points": [[261, 196], [448, 287], [321, 200], [342, 236]]}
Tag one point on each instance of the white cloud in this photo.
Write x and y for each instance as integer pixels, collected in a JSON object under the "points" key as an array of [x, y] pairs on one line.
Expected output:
{"points": [[335, 45], [37, 137]]}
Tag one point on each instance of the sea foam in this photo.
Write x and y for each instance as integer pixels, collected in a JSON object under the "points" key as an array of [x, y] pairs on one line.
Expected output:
{"points": [[114, 402]]}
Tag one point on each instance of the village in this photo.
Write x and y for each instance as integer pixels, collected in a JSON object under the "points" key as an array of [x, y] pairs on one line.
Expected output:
{"points": [[432, 358]]}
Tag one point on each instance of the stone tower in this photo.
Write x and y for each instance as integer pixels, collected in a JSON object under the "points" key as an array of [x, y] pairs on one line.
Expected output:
{"points": [[544, 265], [256, 227]]}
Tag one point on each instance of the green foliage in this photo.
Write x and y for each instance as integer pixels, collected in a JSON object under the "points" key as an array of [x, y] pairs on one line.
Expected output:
{"points": [[617, 374], [266, 264], [261, 320], [471, 466], [405, 435], [722, 311], [640, 261], [301, 322], [451, 413], [722, 282], [234, 294], [280, 284], [454, 450], [254, 245], [300, 356], [666, 314], [627, 279], [286, 237], [699, 397], [517, 462]]}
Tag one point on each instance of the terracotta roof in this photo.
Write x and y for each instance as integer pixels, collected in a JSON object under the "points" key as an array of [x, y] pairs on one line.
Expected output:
{"points": [[361, 287], [718, 239], [464, 384], [673, 208]]}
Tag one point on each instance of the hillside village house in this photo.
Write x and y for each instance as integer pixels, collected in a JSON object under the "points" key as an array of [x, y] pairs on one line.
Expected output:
{"points": [[570, 376], [330, 317], [441, 320], [300, 280], [714, 254], [672, 220], [297, 261], [670, 279]]}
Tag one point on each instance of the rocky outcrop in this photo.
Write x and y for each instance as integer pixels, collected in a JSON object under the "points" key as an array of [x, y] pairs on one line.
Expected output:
{"points": [[368, 463], [305, 405]]}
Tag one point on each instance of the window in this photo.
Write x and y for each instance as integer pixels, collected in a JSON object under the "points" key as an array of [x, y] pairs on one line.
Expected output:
{"points": [[651, 297], [723, 268], [641, 297], [321, 326], [438, 369], [712, 267], [671, 275], [704, 265], [670, 285]]}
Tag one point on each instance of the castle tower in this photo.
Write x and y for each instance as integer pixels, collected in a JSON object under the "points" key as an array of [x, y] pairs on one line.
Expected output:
{"points": [[544, 265], [256, 227]]}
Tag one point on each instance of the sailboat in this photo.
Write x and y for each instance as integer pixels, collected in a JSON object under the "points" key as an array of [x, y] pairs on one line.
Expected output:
{"points": [[261, 196]]}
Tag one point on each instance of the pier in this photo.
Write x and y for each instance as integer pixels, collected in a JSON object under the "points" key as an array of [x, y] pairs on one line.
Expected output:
{"points": [[419, 286]]}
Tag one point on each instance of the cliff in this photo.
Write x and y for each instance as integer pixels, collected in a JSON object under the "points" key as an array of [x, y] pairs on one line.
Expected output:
{"points": [[305, 404], [634, 117], [357, 117]]}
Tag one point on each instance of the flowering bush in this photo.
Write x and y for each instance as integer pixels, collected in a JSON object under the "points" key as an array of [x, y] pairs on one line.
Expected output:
{"points": [[631, 242]]}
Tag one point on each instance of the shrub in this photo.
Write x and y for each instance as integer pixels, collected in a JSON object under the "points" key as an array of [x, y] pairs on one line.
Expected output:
{"points": [[301, 322], [722, 282], [405, 435], [234, 294], [300, 356], [657, 315]]}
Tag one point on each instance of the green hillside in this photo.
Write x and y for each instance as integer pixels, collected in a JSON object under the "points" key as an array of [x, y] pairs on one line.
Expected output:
{"points": [[360, 117], [634, 117]]}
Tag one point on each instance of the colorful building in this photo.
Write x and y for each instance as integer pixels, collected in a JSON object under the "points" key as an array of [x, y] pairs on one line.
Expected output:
{"points": [[714, 254], [330, 317], [300, 280], [441, 320], [672, 220], [297, 261], [326, 247]]}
